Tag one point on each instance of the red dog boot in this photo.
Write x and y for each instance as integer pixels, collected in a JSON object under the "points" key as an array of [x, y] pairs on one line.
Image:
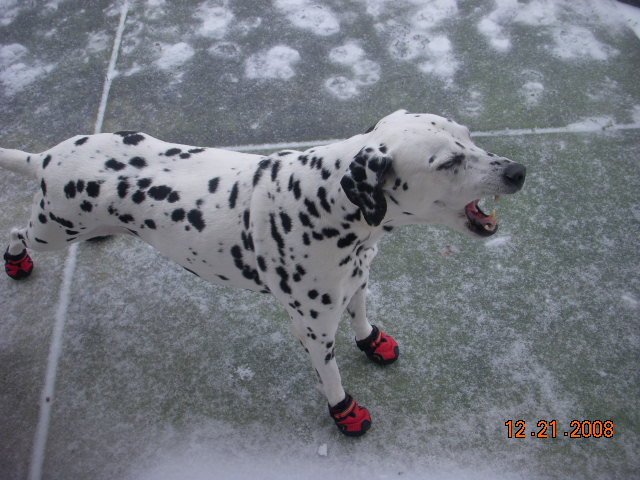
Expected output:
{"points": [[18, 266], [351, 419], [379, 347]]}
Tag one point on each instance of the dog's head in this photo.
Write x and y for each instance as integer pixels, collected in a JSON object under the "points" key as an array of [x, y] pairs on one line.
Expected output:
{"points": [[421, 168]]}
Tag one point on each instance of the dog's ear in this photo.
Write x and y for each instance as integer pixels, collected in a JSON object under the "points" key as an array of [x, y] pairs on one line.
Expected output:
{"points": [[363, 182]]}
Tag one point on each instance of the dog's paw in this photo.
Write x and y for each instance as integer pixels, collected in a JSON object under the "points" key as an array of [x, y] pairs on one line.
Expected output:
{"points": [[379, 347], [18, 266], [351, 419]]}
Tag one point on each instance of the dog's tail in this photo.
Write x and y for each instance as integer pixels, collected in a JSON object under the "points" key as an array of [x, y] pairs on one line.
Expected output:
{"points": [[18, 161]]}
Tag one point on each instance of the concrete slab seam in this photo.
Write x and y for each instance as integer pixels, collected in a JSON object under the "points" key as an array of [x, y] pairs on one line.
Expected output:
{"points": [[587, 128]]}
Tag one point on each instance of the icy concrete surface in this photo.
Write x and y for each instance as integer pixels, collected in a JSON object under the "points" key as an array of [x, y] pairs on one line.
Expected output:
{"points": [[163, 376]]}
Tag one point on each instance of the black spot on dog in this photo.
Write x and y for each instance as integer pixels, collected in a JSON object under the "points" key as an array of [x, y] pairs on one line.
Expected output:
{"points": [[325, 174], [305, 239], [286, 222], [213, 184], [81, 141], [159, 192], [178, 215], [70, 190], [275, 169], [185, 155], [80, 186], [86, 206], [300, 272], [138, 197], [233, 197], [172, 151], [42, 218], [347, 240], [313, 314], [326, 299], [284, 278], [113, 164], [195, 218], [93, 189], [275, 234], [313, 294], [126, 218], [311, 207], [46, 161], [246, 217], [330, 232], [173, 197], [150, 223], [123, 188], [61, 221], [43, 187], [262, 165], [144, 182], [305, 220], [138, 162], [196, 150], [322, 195], [261, 263], [294, 186]]}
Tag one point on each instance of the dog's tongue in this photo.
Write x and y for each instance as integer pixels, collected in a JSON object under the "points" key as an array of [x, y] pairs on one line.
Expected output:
{"points": [[479, 219]]}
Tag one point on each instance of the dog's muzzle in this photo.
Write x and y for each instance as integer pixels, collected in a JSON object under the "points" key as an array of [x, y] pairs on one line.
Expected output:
{"points": [[485, 225]]}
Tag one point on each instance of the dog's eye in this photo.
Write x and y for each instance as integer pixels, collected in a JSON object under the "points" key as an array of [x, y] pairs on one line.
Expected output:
{"points": [[453, 162]]}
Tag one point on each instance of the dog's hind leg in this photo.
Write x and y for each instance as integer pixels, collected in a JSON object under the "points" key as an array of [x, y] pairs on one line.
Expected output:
{"points": [[43, 233], [17, 262]]}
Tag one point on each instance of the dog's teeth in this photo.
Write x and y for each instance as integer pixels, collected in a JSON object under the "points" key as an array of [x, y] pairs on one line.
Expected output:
{"points": [[493, 214], [488, 227]]}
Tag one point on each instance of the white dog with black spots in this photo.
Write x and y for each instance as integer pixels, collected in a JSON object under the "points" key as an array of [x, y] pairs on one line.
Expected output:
{"points": [[302, 226]]}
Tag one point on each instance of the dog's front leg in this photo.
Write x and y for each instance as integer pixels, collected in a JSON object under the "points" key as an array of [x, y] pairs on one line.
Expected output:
{"points": [[317, 335], [379, 347]]}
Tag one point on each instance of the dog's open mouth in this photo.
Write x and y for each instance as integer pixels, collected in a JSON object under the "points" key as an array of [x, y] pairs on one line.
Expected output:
{"points": [[479, 222]]}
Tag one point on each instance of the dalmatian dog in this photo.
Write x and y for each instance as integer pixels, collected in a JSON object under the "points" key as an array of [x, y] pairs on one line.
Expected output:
{"points": [[302, 226]]}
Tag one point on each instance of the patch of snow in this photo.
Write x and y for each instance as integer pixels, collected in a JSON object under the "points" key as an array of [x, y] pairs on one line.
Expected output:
{"points": [[420, 40], [275, 63], [630, 300], [9, 10], [573, 42], [306, 15], [173, 56], [365, 71], [631, 16], [98, 42], [635, 113], [497, 242], [531, 93], [245, 373], [15, 72], [227, 50], [342, 87], [322, 450], [215, 20], [591, 124]]}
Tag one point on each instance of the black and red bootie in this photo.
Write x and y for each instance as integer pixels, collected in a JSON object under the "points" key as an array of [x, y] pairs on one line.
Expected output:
{"points": [[379, 347], [351, 419], [18, 266]]}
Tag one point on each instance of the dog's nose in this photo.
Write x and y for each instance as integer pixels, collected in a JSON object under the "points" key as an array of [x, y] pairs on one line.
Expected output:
{"points": [[514, 175]]}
